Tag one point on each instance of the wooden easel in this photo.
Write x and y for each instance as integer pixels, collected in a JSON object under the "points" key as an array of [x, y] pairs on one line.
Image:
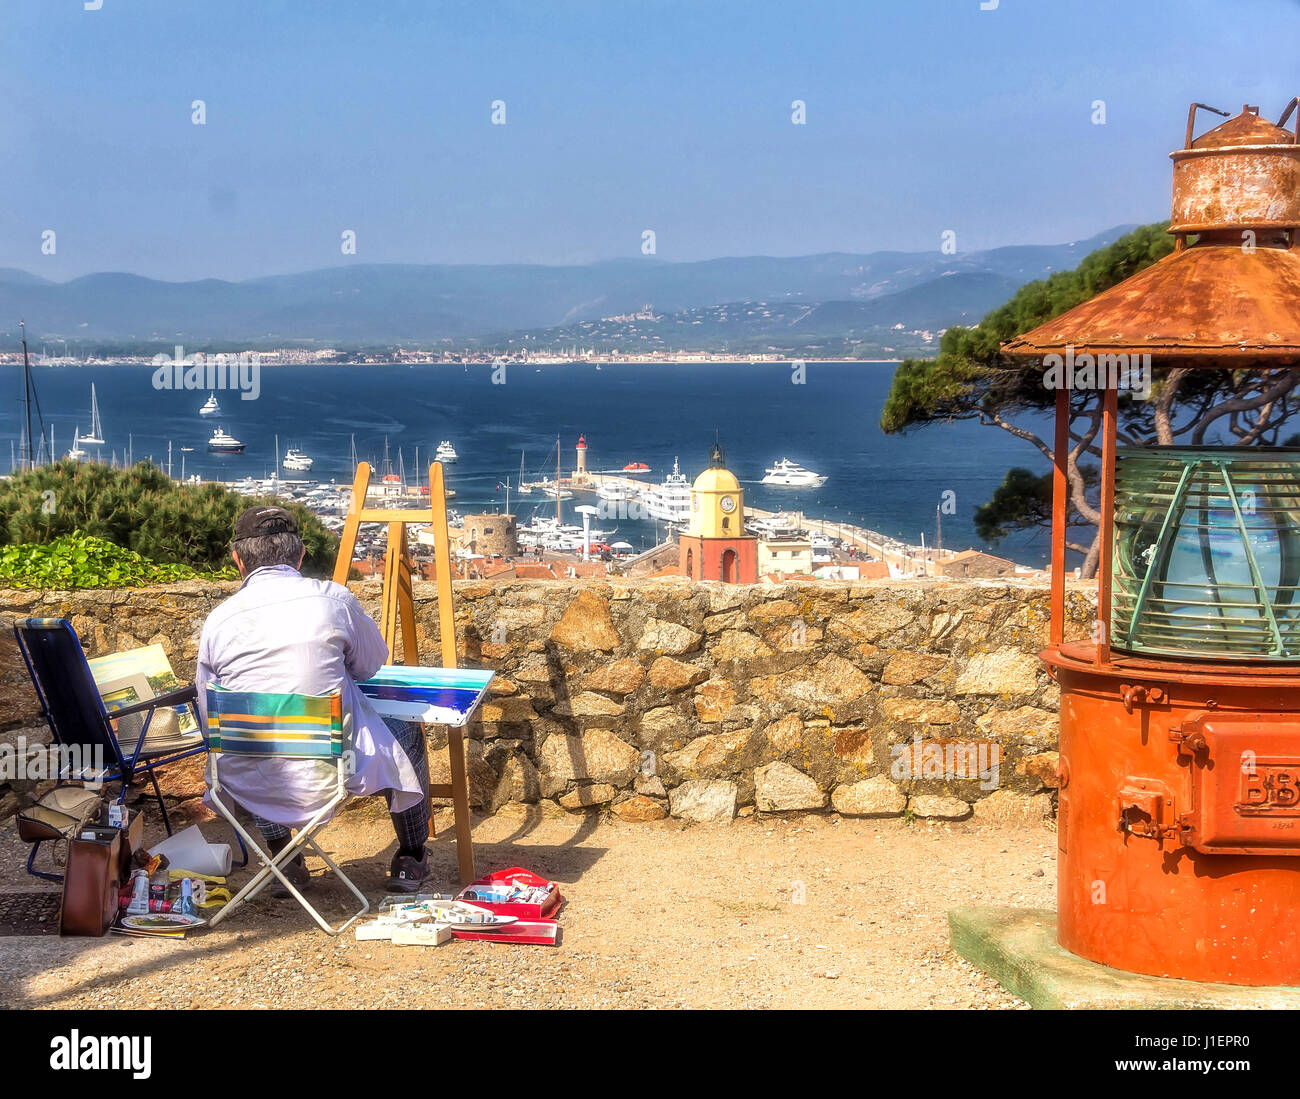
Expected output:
{"points": [[397, 606]]}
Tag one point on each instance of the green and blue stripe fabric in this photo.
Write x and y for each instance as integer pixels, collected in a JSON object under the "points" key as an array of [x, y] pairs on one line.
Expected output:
{"points": [[291, 726]]}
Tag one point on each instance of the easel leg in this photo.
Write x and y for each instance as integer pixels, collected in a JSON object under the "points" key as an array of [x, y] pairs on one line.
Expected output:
{"points": [[460, 803]]}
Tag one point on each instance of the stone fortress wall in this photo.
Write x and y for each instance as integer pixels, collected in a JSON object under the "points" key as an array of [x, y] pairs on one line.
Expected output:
{"points": [[702, 701]]}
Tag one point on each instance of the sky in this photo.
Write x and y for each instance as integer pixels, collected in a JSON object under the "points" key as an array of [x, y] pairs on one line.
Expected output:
{"points": [[321, 117]]}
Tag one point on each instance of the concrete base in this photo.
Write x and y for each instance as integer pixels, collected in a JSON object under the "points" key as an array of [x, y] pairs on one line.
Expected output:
{"points": [[1017, 947]]}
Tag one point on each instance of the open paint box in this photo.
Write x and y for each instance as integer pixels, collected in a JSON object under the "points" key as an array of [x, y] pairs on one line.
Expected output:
{"points": [[514, 892]]}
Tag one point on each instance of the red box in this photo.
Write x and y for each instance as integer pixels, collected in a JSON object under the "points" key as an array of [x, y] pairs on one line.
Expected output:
{"points": [[513, 908]]}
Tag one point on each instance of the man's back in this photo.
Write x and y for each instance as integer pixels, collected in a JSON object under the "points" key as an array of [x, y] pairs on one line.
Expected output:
{"points": [[286, 633]]}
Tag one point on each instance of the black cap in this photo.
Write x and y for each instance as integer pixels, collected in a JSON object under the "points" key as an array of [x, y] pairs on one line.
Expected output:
{"points": [[256, 522]]}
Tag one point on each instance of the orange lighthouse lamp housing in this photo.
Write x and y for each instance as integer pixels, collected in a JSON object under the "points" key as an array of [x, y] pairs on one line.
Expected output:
{"points": [[1179, 811]]}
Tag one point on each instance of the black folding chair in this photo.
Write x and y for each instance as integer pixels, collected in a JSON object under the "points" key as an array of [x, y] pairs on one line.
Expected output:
{"points": [[80, 723]]}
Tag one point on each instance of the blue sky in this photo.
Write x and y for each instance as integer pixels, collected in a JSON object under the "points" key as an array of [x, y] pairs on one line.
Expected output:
{"points": [[621, 115]]}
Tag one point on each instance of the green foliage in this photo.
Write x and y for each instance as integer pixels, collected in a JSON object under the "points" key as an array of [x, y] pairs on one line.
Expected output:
{"points": [[1023, 499], [143, 510], [79, 561], [969, 377]]}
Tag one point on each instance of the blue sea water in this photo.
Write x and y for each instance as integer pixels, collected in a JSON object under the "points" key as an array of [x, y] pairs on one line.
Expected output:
{"points": [[647, 412]]}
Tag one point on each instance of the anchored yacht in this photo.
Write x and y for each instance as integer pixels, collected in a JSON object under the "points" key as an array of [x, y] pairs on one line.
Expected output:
{"points": [[210, 406], [226, 444], [296, 460], [670, 501], [446, 453], [788, 474]]}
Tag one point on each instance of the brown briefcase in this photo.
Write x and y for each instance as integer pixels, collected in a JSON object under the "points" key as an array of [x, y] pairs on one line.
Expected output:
{"points": [[92, 880]]}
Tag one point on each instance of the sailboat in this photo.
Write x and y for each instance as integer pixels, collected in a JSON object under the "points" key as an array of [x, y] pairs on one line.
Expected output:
{"points": [[524, 490], [76, 453], [96, 436]]}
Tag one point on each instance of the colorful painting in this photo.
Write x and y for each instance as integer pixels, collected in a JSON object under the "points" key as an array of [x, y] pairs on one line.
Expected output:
{"points": [[124, 678], [434, 696]]}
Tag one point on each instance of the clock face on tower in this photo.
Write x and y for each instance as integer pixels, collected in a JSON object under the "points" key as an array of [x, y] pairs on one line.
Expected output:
{"points": [[728, 504]]}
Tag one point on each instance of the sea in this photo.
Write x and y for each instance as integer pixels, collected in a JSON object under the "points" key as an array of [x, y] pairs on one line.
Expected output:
{"points": [[828, 420]]}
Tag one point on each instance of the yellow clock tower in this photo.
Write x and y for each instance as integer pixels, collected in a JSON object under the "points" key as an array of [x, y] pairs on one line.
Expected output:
{"points": [[715, 545]]}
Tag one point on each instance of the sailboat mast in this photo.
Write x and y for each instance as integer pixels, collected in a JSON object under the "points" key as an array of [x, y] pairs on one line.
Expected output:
{"points": [[27, 392], [559, 510]]}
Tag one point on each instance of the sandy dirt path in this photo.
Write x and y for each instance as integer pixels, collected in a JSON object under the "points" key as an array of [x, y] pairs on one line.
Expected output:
{"points": [[658, 915]]}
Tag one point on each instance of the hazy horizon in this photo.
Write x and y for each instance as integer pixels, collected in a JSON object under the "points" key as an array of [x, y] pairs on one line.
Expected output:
{"points": [[35, 272]]}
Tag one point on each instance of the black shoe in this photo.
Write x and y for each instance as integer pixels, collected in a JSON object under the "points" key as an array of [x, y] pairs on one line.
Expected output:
{"points": [[407, 874], [296, 871]]}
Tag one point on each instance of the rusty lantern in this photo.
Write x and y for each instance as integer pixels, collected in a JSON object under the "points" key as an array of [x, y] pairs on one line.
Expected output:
{"points": [[1179, 814]]}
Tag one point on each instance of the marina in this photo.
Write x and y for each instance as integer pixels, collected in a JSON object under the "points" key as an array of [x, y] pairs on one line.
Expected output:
{"points": [[873, 488]]}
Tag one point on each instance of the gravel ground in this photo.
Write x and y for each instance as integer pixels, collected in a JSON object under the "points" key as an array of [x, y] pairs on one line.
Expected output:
{"points": [[657, 915]]}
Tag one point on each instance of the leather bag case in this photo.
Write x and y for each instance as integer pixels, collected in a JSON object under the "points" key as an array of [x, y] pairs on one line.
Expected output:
{"points": [[91, 884]]}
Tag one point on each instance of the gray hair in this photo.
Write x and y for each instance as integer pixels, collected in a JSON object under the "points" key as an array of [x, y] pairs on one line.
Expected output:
{"points": [[284, 548]]}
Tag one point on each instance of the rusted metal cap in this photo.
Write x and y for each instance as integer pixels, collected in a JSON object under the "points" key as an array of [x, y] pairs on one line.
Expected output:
{"points": [[1246, 128], [1231, 295], [1241, 176]]}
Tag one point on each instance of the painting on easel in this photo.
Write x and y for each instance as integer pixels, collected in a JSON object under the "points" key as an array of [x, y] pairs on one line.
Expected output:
{"points": [[397, 617]]}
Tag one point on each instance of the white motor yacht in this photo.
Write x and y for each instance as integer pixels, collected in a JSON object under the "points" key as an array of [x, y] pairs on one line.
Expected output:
{"points": [[295, 459], [670, 501], [446, 453], [210, 406], [225, 444], [788, 474]]}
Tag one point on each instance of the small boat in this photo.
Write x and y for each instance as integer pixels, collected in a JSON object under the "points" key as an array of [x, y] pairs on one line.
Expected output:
{"points": [[295, 459], [788, 474], [446, 453], [76, 453], [225, 444], [187, 450], [553, 490], [615, 491], [210, 406], [96, 436], [636, 467]]}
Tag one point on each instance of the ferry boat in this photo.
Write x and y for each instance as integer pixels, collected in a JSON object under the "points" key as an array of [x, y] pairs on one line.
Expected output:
{"points": [[225, 444], [788, 474], [670, 501], [210, 406], [296, 460], [446, 453]]}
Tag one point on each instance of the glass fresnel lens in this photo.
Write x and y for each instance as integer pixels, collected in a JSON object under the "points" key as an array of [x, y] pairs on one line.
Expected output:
{"points": [[1207, 552]]}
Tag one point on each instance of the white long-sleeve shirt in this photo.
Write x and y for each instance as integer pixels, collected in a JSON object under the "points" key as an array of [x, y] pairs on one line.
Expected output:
{"points": [[282, 632]]}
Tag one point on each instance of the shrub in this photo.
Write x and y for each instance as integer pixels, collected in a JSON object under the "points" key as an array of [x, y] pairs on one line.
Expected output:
{"points": [[80, 561], [143, 510]]}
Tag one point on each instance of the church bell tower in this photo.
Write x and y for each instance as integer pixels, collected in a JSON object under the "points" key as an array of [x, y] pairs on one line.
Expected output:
{"points": [[715, 545]]}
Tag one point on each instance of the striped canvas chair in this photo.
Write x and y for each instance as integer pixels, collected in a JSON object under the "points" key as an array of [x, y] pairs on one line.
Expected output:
{"points": [[284, 726]]}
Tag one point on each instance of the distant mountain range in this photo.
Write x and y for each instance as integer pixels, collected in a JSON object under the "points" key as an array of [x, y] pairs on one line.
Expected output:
{"points": [[744, 303]]}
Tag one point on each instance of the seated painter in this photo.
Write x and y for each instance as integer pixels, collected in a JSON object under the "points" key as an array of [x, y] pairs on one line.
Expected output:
{"points": [[282, 632]]}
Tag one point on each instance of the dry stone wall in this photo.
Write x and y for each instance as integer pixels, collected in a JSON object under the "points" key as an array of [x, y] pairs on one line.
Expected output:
{"points": [[702, 700]]}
